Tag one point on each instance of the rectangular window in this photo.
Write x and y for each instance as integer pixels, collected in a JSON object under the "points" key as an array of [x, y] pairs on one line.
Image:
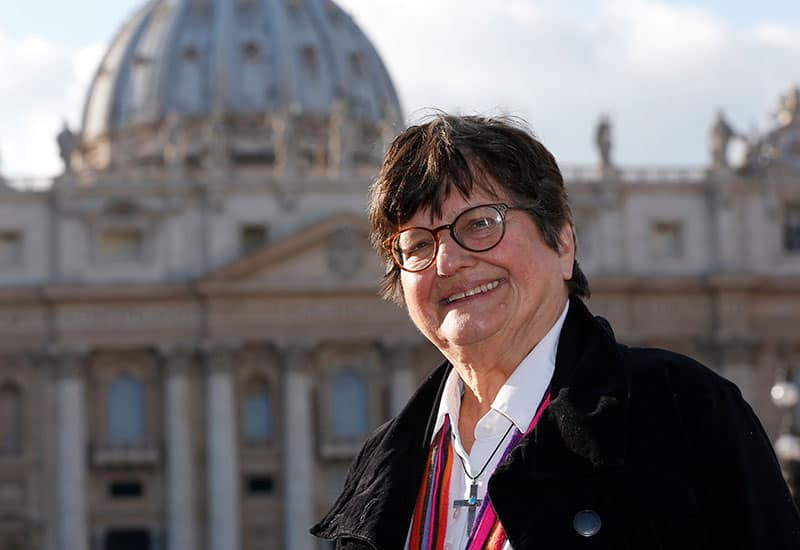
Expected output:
{"points": [[349, 400], [791, 229], [349, 405], [10, 248], [666, 240], [121, 245], [259, 485], [11, 412], [125, 489], [252, 237]]}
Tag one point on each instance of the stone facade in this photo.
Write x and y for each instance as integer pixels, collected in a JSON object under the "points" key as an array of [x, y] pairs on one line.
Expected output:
{"points": [[191, 343]]}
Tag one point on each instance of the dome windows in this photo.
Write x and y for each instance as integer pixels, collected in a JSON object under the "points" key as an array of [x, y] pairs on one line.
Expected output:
{"points": [[252, 75], [251, 51], [167, 64], [191, 54], [188, 92], [356, 62], [310, 60]]}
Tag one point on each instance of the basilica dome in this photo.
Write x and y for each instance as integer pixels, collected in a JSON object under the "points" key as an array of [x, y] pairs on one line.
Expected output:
{"points": [[241, 82]]}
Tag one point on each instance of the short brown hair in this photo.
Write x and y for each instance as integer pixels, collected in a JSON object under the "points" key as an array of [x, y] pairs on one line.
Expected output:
{"points": [[425, 163]]}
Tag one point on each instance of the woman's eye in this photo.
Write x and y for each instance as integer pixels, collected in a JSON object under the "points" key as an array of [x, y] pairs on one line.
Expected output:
{"points": [[416, 247], [480, 223]]}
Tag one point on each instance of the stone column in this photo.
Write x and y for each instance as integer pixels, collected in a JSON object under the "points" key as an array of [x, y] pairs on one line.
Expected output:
{"points": [[298, 448], [71, 442], [399, 357], [222, 456], [181, 509]]}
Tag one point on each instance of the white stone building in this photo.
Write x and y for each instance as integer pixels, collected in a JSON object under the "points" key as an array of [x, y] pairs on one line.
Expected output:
{"points": [[191, 343]]}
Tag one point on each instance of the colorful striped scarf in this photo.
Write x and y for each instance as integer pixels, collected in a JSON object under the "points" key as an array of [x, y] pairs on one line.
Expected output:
{"points": [[429, 522]]}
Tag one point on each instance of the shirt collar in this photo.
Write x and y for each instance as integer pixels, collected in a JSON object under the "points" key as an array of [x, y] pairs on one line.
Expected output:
{"points": [[521, 394]]}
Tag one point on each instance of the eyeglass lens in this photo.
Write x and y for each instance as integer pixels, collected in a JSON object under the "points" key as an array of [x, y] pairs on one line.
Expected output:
{"points": [[476, 229]]}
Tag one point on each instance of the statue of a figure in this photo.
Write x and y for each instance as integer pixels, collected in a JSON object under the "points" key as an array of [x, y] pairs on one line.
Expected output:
{"points": [[789, 107], [719, 137], [602, 139], [216, 141], [67, 140], [338, 141], [175, 143], [282, 130]]}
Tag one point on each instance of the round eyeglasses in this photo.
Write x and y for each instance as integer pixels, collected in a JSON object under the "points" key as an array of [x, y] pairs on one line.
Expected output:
{"points": [[476, 229]]}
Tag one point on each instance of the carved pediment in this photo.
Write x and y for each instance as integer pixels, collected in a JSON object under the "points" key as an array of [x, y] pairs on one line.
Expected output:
{"points": [[333, 255]]}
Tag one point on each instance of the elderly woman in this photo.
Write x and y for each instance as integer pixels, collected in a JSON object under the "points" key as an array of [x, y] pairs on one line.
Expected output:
{"points": [[540, 430]]}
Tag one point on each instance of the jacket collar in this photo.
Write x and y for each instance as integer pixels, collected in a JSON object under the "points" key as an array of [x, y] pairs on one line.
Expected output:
{"points": [[583, 429]]}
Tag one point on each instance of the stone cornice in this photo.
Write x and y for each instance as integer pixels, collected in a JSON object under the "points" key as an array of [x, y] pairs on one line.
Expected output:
{"points": [[694, 284], [116, 293], [218, 285]]}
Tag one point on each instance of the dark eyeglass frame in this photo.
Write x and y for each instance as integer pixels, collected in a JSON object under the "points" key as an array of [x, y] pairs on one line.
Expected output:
{"points": [[500, 208]]}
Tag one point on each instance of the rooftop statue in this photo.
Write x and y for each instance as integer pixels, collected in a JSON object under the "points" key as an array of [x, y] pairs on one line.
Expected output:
{"points": [[67, 140], [720, 136], [603, 142]]}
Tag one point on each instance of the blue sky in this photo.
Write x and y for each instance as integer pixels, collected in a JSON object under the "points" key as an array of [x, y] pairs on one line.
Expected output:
{"points": [[659, 68]]}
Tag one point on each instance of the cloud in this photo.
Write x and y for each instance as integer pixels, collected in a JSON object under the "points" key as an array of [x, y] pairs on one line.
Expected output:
{"points": [[43, 84], [659, 69]]}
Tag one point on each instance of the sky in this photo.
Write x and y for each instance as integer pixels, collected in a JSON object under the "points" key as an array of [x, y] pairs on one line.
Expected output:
{"points": [[659, 69]]}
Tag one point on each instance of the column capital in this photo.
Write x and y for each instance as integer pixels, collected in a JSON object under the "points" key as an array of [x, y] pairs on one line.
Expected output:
{"points": [[175, 359], [66, 361], [219, 356], [297, 354]]}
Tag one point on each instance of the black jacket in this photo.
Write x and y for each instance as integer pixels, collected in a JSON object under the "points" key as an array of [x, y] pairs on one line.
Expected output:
{"points": [[665, 451]]}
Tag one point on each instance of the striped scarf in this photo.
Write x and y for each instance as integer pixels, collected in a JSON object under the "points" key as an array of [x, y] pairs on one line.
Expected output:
{"points": [[429, 522]]}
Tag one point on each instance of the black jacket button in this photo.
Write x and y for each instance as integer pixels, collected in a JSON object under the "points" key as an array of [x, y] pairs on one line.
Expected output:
{"points": [[586, 523]]}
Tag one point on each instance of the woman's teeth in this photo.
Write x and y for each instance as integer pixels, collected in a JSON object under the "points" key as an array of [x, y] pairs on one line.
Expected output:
{"points": [[472, 292]]}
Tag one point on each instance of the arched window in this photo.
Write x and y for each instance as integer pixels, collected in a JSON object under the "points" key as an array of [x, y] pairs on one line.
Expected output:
{"points": [[349, 404], [10, 419], [257, 414], [126, 411]]}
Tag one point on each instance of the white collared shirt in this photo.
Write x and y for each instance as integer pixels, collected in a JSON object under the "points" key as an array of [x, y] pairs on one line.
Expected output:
{"points": [[514, 405]]}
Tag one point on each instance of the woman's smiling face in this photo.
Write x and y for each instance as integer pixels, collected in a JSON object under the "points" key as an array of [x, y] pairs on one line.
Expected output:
{"points": [[507, 296]]}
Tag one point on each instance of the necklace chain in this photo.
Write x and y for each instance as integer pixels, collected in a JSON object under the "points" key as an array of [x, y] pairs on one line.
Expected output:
{"points": [[464, 467]]}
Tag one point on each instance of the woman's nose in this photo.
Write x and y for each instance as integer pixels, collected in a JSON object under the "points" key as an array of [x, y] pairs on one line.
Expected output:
{"points": [[451, 256]]}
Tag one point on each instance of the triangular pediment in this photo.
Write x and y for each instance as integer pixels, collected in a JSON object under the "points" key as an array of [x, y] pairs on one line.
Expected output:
{"points": [[333, 255]]}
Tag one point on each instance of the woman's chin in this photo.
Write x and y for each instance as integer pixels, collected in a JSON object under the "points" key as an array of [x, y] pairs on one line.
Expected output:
{"points": [[462, 331]]}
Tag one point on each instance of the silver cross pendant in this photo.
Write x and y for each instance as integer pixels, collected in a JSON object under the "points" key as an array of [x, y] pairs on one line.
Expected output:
{"points": [[473, 502]]}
